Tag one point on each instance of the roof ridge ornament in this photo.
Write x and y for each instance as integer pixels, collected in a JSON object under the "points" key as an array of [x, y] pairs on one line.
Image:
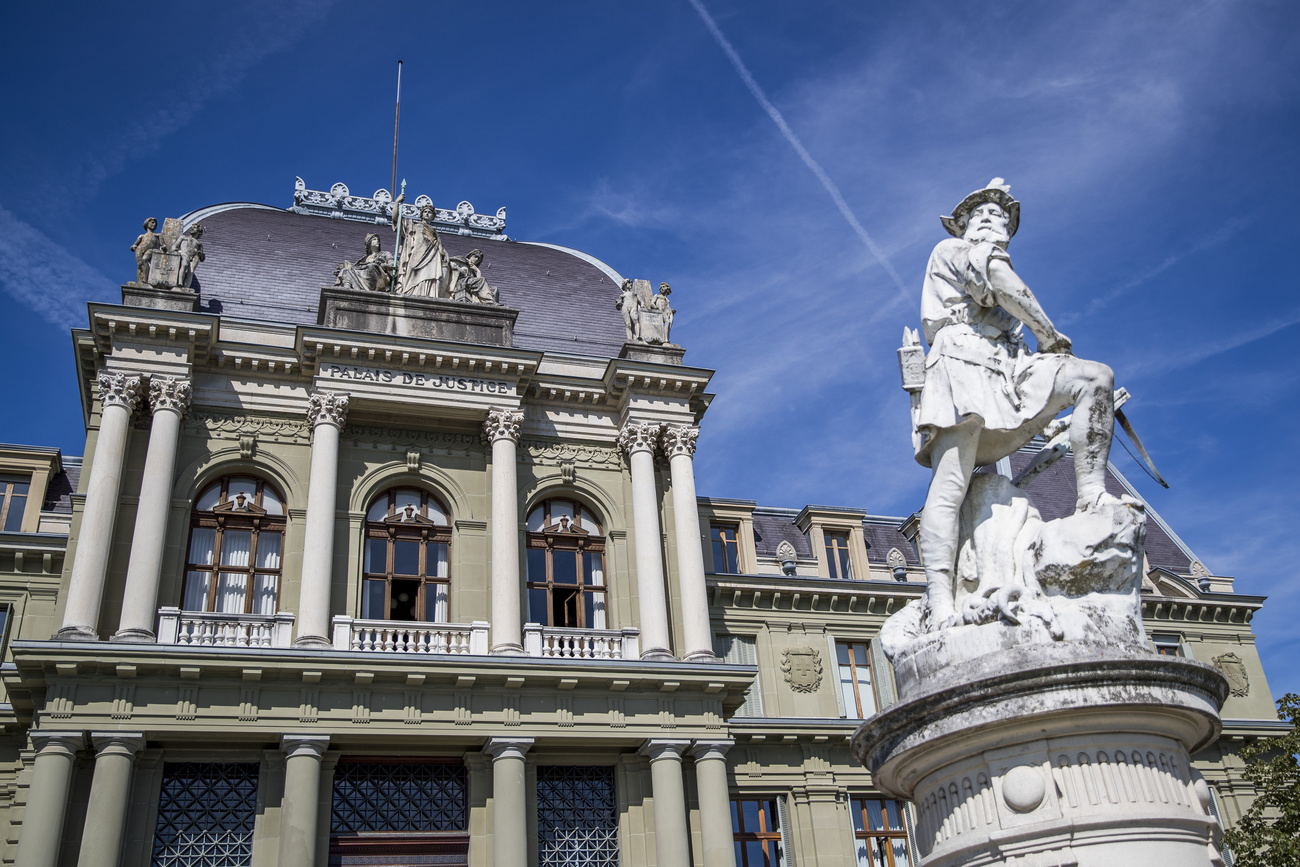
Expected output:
{"points": [[339, 203]]}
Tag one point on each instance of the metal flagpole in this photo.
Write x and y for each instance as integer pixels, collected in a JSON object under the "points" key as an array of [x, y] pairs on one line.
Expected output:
{"points": [[397, 198], [397, 116]]}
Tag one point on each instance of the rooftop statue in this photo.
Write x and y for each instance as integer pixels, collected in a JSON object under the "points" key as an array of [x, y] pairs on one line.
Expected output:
{"points": [[978, 396], [647, 317], [373, 272], [422, 261], [468, 282], [190, 249], [167, 260], [144, 247]]}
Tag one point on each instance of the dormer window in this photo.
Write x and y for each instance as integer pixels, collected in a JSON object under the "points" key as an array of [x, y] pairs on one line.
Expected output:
{"points": [[236, 536], [566, 566], [405, 572]]}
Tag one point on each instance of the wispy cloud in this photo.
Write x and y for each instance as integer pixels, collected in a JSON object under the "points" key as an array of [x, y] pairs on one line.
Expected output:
{"points": [[45, 276], [777, 118]]}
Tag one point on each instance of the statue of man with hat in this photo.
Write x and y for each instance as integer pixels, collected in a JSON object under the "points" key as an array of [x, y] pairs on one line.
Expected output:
{"points": [[986, 393]]}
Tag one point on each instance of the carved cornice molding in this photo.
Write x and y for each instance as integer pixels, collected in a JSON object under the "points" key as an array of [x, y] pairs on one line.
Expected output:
{"points": [[339, 202], [679, 439], [640, 436], [555, 454], [120, 389], [232, 426], [327, 407], [502, 424], [169, 393]]}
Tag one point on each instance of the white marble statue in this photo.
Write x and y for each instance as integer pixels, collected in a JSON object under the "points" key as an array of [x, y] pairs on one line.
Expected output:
{"points": [[647, 316], [422, 262]]}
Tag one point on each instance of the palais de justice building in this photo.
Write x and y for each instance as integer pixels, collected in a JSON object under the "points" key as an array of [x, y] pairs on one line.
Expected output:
{"points": [[388, 564]]}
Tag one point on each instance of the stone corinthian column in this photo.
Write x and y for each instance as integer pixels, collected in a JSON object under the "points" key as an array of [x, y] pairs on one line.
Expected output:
{"points": [[169, 398], [326, 415], [502, 430], [119, 394], [509, 801], [110, 791], [697, 635], [639, 439]]}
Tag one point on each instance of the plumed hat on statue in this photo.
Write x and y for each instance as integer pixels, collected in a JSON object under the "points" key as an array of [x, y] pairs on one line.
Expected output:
{"points": [[997, 191]]}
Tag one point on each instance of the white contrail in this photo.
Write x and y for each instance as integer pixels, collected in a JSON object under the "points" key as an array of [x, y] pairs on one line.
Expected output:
{"points": [[793, 139]]}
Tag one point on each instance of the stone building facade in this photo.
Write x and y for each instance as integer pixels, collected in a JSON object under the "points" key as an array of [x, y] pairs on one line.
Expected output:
{"points": [[364, 577]]}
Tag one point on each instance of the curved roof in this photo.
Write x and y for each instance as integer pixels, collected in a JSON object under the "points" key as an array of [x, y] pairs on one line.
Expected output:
{"points": [[270, 264]]}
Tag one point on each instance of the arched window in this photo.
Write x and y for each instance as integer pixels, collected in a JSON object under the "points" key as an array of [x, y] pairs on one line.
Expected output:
{"points": [[566, 566], [236, 536], [405, 570]]}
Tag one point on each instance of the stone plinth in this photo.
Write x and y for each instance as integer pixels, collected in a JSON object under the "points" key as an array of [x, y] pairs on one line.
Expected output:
{"points": [[1062, 755], [414, 316], [658, 353], [140, 295]]}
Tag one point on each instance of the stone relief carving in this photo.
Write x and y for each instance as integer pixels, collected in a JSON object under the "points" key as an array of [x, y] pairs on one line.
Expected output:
{"points": [[647, 316], [468, 282], [169, 393], [640, 436], [168, 260], [802, 667], [557, 454], [120, 389], [1233, 667], [679, 439], [373, 272], [502, 424], [327, 407], [429, 442], [992, 563], [895, 558], [787, 556], [269, 428]]}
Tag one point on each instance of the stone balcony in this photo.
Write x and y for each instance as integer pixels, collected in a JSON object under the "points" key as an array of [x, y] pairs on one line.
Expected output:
{"points": [[208, 629], [553, 642], [392, 636]]}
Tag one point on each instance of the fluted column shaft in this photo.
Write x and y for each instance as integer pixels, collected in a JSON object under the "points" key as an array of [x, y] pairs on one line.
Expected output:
{"points": [[640, 441], [169, 398], [299, 809], [697, 633], [715, 802], [47, 799], [502, 430], [110, 796], [118, 395], [326, 415], [509, 801], [672, 834]]}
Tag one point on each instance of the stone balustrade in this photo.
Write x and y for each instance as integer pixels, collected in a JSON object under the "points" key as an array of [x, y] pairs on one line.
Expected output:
{"points": [[208, 629], [391, 636], [553, 642]]}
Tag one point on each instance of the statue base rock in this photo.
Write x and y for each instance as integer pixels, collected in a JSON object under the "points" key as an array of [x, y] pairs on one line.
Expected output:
{"points": [[417, 316], [658, 353], [173, 300]]}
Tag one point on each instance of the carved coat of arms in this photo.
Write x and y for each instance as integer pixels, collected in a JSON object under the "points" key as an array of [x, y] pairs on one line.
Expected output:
{"points": [[1234, 669], [803, 668]]}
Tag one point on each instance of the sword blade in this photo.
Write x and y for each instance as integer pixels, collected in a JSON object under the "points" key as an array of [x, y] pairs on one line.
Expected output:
{"points": [[1133, 438]]}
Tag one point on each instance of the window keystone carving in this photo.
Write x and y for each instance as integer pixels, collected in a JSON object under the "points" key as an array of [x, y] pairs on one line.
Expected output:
{"points": [[168, 392], [502, 424], [119, 389], [327, 407]]}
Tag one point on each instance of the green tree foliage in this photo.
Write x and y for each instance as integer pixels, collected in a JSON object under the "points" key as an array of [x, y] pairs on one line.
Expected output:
{"points": [[1268, 835]]}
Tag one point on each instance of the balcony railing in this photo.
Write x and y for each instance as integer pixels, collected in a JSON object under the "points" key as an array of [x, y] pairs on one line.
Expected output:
{"points": [[207, 629], [554, 642], [389, 636]]}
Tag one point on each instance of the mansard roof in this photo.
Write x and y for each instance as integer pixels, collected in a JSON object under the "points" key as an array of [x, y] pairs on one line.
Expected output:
{"points": [[269, 264]]}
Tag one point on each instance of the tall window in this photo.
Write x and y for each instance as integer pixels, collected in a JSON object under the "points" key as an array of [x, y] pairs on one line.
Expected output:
{"points": [[855, 679], [577, 817], [726, 550], [1168, 643], [756, 829], [399, 796], [13, 501], [236, 535], [566, 566], [206, 812], [837, 555], [405, 569], [880, 837]]}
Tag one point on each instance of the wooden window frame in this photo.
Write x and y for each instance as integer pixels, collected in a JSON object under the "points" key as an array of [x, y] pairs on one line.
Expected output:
{"points": [[853, 674], [773, 855], [872, 836], [226, 515], [575, 536], [837, 542], [415, 527], [730, 547], [7, 498]]}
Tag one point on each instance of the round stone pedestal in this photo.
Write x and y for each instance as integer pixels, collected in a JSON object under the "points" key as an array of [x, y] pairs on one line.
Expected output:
{"points": [[1052, 756]]}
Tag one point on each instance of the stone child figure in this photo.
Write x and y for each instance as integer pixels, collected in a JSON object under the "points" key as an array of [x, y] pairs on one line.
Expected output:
{"points": [[143, 248], [190, 249], [373, 272], [628, 304], [423, 261], [985, 393], [468, 282]]}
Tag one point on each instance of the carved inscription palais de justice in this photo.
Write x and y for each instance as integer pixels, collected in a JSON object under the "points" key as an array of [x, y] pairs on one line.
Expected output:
{"points": [[446, 382]]}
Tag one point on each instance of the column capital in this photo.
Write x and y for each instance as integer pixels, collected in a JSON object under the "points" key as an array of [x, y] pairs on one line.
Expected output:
{"points": [[679, 439], [57, 742], [656, 749], [304, 745], [502, 424], [711, 749], [122, 743], [327, 407], [507, 748], [120, 389], [640, 436], [169, 392]]}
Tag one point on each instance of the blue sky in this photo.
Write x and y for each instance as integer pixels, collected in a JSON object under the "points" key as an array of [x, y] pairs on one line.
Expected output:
{"points": [[1152, 145]]}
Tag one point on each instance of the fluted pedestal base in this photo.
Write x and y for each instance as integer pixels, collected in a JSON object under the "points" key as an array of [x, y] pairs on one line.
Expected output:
{"points": [[1080, 760]]}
